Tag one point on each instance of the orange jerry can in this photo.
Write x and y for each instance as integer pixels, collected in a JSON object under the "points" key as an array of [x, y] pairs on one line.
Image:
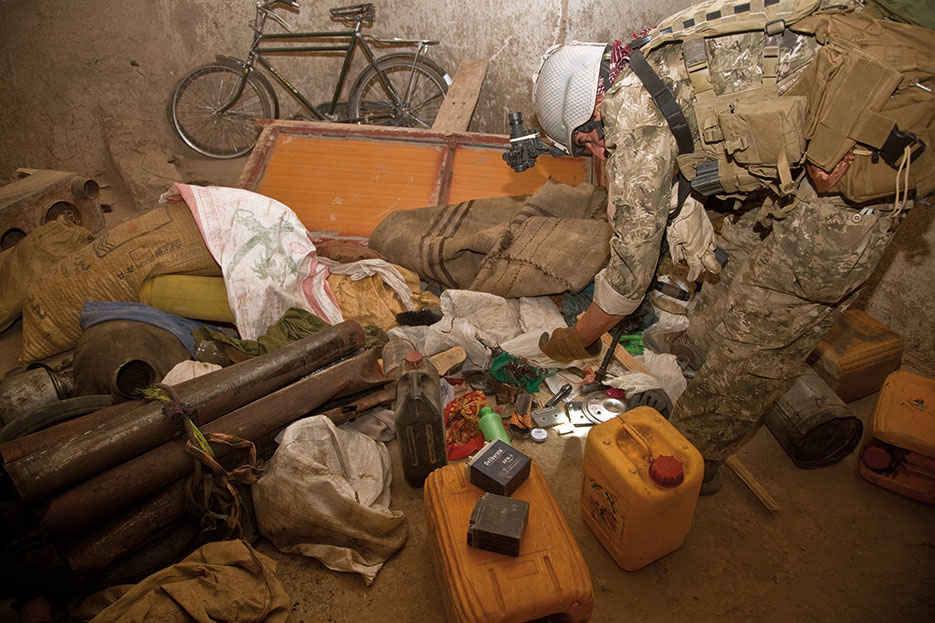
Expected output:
{"points": [[640, 485], [856, 355], [549, 580], [899, 453]]}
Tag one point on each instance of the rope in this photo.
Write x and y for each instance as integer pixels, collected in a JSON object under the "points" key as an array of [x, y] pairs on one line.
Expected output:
{"points": [[219, 503], [902, 173]]}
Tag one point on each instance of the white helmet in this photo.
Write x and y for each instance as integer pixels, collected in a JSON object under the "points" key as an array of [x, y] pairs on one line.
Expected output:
{"points": [[564, 89]]}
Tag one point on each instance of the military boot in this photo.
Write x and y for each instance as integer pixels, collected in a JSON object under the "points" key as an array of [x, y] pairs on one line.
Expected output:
{"points": [[711, 482]]}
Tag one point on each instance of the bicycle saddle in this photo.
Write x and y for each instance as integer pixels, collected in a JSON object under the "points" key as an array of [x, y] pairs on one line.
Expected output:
{"points": [[363, 13]]}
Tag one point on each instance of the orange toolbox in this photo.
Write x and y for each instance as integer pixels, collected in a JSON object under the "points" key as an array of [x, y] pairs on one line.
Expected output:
{"points": [[549, 580], [856, 355], [899, 453]]}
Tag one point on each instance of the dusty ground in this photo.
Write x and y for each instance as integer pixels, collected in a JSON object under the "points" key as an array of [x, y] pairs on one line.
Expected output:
{"points": [[840, 549]]}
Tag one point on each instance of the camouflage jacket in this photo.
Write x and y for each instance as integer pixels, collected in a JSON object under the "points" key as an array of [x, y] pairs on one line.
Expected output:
{"points": [[642, 150]]}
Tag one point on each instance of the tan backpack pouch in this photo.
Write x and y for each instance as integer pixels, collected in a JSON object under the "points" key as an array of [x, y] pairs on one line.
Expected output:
{"points": [[857, 85]]}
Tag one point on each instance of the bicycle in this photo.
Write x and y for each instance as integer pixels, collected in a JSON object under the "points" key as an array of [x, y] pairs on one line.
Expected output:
{"points": [[214, 108]]}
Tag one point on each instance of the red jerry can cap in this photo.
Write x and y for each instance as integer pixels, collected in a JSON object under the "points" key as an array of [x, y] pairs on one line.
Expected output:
{"points": [[876, 457], [666, 471], [413, 359]]}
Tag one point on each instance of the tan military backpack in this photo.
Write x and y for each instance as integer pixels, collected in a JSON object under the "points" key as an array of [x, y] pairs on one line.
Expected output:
{"points": [[870, 92]]}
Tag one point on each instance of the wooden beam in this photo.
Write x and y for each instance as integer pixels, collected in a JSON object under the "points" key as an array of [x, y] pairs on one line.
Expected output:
{"points": [[752, 483], [624, 358], [458, 107]]}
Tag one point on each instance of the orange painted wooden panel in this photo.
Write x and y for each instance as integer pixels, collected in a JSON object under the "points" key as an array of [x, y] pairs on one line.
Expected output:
{"points": [[347, 179], [481, 172], [350, 184]]}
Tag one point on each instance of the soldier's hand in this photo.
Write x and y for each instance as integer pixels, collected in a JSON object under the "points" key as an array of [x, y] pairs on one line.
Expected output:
{"points": [[564, 345], [691, 238]]}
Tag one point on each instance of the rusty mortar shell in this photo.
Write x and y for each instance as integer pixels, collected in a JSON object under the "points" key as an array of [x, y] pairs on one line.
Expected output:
{"points": [[49, 461]]}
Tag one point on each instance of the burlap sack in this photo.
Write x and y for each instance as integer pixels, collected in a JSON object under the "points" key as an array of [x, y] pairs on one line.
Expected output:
{"points": [[33, 257], [551, 242], [112, 268]]}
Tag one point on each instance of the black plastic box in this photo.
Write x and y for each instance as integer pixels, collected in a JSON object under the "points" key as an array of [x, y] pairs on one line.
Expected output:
{"points": [[497, 524], [498, 468]]}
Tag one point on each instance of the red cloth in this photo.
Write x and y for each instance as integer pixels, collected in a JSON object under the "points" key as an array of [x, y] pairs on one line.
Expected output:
{"points": [[463, 436]]}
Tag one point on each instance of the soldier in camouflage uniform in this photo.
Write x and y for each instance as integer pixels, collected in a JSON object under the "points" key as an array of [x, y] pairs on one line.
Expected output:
{"points": [[782, 285]]}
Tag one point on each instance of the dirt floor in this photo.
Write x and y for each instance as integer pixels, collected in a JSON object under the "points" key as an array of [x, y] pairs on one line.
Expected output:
{"points": [[839, 549]]}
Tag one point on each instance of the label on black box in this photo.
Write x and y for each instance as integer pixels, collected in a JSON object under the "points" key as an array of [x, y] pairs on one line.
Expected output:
{"points": [[498, 468]]}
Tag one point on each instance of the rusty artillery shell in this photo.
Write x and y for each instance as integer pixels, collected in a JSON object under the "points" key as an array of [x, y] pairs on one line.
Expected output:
{"points": [[50, 461], [122, 532], [83, 505]]}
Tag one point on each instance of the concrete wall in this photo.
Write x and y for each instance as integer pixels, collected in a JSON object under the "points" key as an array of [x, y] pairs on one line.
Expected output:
{"points": [[71, 68]]}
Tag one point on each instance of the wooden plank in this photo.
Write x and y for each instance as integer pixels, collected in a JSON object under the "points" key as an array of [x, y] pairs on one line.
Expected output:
{"points": [[752, 483], [458, 107], [624, 358]]}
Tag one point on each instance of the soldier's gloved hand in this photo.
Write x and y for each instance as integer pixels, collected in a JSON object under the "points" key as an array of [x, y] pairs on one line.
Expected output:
{"points": [[564, 345], [656, 398], [691, 238]]}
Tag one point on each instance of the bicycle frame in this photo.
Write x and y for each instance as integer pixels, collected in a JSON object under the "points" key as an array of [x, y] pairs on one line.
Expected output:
{"points": [[353, 38]]}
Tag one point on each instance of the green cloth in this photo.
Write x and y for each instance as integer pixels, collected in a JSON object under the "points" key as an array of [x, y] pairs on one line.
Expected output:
{"points": [[513, 370], [295, 324], [632, 343]]}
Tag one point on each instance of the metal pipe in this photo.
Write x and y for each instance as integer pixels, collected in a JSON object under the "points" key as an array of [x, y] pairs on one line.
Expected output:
{"points": [[85, 188], [83, 505], [132, 376], [123, 532], [35, 387], [50, 461]]}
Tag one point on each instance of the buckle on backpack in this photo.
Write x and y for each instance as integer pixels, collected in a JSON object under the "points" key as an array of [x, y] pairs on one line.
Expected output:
{"points": [[894, 147]]}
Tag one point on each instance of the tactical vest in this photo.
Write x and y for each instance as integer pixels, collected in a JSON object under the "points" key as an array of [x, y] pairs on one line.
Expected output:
{"points": [[862, 95]]}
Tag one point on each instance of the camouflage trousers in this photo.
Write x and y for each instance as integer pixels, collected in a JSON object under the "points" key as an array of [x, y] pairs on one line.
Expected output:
{"points": [[779, 293]]}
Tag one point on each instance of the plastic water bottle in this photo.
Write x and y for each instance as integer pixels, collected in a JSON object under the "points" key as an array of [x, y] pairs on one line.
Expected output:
{"points": [[420, 427]]}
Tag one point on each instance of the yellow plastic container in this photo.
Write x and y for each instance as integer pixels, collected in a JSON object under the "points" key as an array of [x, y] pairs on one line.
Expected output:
{"points": [[547, 581], [641, 480], [191, 296], [856, 355], [899, 453]]}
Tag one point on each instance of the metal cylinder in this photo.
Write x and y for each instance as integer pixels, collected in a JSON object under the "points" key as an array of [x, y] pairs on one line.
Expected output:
{"points": [[52, 460], [35, 387], [106, 493], [120, 357], [132, 376], [124, 531], [85, 188], [812, 424]]}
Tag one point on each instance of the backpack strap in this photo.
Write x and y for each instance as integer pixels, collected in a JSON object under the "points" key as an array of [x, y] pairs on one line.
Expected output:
{"points": [[664, 99]]}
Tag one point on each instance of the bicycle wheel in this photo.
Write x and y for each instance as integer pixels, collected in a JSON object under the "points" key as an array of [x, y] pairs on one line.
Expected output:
{"points": [[195, 110], [420, 84]]}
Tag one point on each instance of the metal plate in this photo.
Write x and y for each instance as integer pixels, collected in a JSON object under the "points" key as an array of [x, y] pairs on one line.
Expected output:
{"points": [[595, 408], [552, 416]]}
